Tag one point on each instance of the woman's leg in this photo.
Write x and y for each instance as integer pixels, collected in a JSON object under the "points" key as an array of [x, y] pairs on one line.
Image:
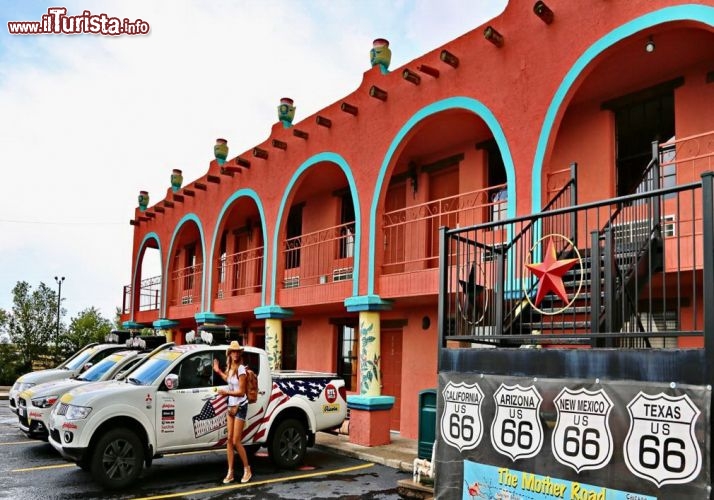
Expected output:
{"points": [[229, 446], [238, 426]]}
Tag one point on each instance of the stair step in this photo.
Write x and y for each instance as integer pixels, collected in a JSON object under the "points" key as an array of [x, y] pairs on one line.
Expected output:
{"points": [[570, 311], [561, 325]]}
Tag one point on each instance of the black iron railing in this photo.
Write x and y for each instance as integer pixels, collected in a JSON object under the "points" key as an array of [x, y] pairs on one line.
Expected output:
{"points": [[637, 278]]}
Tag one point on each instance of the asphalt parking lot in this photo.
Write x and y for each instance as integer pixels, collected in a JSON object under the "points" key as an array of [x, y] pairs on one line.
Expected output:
{"points": [[33, 470]]}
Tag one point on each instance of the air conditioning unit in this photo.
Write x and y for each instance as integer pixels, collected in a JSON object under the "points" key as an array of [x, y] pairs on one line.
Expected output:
{"points": [[220, 294], [186, 300], [491, 253], [291, 282], [342, 274]]}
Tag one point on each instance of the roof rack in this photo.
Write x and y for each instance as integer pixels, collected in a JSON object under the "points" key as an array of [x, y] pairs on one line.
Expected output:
{"points": [[145, 342], [117, 336]]}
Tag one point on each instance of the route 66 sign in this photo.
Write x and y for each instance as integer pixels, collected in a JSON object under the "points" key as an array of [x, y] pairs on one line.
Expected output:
{"points": [[516, 430], [660, 445], [461, 422], [582, 437]]}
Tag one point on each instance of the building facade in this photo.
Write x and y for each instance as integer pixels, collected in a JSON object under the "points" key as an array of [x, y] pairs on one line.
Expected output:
{"points": [[322, 243]]}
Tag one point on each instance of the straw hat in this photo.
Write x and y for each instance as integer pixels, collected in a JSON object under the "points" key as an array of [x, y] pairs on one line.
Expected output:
{"points": [[234, 346]]}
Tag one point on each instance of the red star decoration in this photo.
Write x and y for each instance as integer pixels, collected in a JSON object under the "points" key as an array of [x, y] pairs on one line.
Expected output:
{"points": [[550, 272]]}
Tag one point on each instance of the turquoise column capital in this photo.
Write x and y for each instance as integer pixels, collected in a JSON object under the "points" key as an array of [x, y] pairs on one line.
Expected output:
{"points": [[359, 303], [132, 325], [272, 312], [165, 324], [369, 403], [209, 317]]}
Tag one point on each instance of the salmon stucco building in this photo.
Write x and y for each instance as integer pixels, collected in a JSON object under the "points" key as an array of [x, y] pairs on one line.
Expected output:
{"points": [[321, 243]]}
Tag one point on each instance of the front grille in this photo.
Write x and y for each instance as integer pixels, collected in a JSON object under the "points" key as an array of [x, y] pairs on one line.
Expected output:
{"points": [[62, 410], [22, 402], [12, 403], [55, 435]]}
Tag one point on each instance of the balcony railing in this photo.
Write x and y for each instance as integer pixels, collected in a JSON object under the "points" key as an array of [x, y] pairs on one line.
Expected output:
{"points": [[186, 285], [411, 235], [320, 257], [240, 273], [683, 160], [149, 295]]}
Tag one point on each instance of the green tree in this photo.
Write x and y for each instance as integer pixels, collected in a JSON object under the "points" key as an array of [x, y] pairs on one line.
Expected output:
{"points": [[88, 326], [31, 323]]}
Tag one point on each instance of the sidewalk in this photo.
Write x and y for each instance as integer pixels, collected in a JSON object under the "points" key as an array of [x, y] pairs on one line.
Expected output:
{"points": [[4, 390], [399, 454]]}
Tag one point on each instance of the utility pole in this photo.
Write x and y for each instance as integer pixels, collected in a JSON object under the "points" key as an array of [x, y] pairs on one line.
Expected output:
{"points": [[59, 302]]}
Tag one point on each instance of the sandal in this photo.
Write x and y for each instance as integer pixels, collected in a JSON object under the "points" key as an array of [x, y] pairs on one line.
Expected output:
{"points": [[229, 478], [247, 475]]}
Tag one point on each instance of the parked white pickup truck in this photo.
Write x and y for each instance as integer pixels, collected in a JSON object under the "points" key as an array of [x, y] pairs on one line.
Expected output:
{"points": [[72, 366], [170, 404]]}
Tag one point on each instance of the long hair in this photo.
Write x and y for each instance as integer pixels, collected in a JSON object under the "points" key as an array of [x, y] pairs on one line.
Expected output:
{"points": [[232, 368]]}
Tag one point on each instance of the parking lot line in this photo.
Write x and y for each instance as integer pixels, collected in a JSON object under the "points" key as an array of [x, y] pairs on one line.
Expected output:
{"points": [[257, 483], [18, 442], [44, 467]]}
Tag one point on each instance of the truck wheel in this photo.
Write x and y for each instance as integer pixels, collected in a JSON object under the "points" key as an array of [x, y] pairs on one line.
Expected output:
{"points": [[117, 459], [288, 445]]}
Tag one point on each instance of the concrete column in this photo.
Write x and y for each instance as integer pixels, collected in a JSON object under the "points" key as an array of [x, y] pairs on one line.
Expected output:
{"points": [[274, 342], [370, 354]]}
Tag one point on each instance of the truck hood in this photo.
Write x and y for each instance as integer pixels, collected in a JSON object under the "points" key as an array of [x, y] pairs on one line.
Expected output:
{"points": [[43, 376], [57, 387], [90, 394]]}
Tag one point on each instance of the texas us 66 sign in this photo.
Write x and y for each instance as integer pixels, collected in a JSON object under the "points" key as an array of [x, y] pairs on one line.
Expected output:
{"points": [[660, 445], [461, 423]]}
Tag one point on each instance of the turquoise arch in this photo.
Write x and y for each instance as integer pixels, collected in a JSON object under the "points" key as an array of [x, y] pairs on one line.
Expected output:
{"points": [[188, 217], [466, 103], [135, 278], [340, 162], [248, 193], [688, 12]]}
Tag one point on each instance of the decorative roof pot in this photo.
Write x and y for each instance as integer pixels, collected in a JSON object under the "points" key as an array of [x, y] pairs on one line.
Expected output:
{"points": [[380, 54], [220, 150], [143, 200], [286, 112], [176, 179]]}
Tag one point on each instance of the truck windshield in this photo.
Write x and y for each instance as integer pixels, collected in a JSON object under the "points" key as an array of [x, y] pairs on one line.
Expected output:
{"points": [[97, 371], [75, 363], [148, 372]]}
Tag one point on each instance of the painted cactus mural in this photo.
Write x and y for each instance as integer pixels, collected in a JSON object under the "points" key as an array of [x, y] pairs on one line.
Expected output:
{"points": [[369, 360]]}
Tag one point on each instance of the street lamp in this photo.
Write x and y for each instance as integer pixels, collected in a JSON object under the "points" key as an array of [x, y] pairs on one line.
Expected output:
{"points": [[59, 301]]}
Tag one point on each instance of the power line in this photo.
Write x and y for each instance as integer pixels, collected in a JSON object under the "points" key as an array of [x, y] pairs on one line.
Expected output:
{"points": [[59, 223]]}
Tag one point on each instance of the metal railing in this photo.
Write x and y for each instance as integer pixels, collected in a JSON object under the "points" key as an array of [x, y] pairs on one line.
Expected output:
{"points": [[319, 257], [239, 273], [658, 298], [186, 285], [149, 295], [420, 223]]}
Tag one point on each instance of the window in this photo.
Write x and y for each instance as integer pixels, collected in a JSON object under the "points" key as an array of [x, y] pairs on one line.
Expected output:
{"points": [[289, 357], [190, 263], [196, 371], [347, 350], [669, 226]]}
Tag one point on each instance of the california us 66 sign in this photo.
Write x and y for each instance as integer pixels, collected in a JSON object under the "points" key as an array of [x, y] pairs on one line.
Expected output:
{"points": [[516, 430], [461, 423], [660, 445], [582, 438]]}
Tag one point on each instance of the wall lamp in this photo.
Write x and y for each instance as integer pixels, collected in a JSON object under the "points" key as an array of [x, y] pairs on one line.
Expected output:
{"points": [[650, 45]]}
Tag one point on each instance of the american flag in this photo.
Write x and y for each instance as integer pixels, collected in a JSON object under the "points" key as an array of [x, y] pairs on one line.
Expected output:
{"points": [[211, 417], [309, 388]]}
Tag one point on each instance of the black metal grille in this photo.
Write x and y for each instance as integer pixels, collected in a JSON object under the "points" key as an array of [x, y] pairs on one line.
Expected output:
{"points": [[62, 409]]}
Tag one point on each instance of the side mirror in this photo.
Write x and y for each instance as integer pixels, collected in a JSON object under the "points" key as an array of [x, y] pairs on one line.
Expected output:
{"points": [[86, 367], [171, 381]]}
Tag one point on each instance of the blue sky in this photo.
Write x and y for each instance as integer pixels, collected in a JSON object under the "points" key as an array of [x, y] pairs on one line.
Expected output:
{"points": [[88, 121]]}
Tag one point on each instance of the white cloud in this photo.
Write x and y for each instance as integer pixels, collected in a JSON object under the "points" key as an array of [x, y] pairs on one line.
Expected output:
{"points": [[87, 121]]}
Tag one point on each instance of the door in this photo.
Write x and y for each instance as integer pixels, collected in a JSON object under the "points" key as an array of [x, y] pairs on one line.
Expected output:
{"points": [[192, 415], [391, 347]]}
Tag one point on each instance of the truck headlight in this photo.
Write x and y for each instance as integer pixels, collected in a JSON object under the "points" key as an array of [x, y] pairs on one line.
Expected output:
{"points": [[44, 402], [77, 412], [22, 386]]}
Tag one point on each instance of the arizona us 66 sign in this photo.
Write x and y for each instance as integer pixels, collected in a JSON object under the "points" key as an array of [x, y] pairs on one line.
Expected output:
{"points": [[660, 445], [516, 430], [461, 422], [582, 437]]}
